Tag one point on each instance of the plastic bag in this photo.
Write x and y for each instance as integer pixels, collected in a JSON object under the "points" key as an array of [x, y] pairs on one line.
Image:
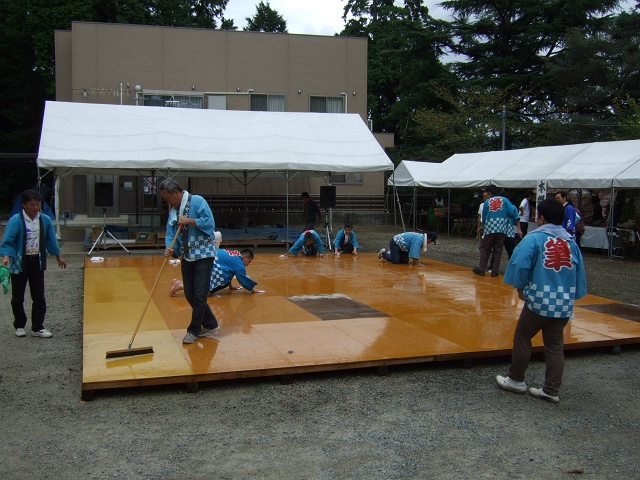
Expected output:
{"points": [[5, 278]]}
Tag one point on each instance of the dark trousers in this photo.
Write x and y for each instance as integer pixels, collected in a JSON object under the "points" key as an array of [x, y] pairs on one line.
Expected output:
{"points": [[529, 324], [347, 248], [395, 255], [32, 275], [494, 242], [309, 250], [220, 287], [509, 245], [195, 277]]}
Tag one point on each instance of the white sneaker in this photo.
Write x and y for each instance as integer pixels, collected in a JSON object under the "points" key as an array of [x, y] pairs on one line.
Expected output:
{"points": [[382, 250], [20, 332], [189, 338], [539, 393], [44, 333], [508, 383], [206, 332]]}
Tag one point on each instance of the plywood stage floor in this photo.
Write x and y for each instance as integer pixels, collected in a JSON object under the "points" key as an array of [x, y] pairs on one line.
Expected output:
{"points": [[317, 314]]}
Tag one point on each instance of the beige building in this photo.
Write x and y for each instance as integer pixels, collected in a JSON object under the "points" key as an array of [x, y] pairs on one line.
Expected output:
{"points": [[215, 69]]}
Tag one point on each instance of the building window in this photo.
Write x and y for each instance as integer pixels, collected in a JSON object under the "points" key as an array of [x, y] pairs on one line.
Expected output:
{"points": [[326, 104], [354, 178], [267, 103], [174, 101]]}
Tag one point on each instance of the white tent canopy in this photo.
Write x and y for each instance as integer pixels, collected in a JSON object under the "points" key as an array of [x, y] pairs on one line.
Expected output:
{"points": [[589, 165], [81, 138], [410, 173]]}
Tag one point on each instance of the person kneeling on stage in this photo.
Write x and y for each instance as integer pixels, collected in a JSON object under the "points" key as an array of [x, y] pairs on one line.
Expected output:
{"points": [[228, 264], [309, 243], [346, 241], [408, 246]]}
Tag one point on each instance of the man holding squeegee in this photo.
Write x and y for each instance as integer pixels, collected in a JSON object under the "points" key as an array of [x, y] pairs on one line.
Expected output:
{"points": [[191, 219]]}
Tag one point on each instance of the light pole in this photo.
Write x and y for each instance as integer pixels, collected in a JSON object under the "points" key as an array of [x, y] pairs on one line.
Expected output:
{"points": [[504, 126], [138, 89]]}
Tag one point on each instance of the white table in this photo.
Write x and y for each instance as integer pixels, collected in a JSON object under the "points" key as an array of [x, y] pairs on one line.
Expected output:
{"points": [[593, 237]]}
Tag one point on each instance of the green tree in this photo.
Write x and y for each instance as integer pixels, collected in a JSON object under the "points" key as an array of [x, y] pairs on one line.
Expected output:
{"points": [[403, 59], [227, 24], [27, 50], [627, 112], [266, 19], [597, 76], [554, 65], [469, 120], [505, 42]]}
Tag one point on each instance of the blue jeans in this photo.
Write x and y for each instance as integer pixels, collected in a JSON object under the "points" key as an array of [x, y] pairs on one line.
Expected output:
{"points": [[196, 276]]}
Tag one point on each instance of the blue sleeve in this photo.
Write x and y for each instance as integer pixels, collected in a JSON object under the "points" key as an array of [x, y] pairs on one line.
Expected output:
{"points": [[319, 244], [237, 269], [245, 281], [338, 241], [581, 276], [50, 237], [296, 247], [353, 240], [415, 245], [515, 213], [202, 215], [521, 263], [12, 238]]}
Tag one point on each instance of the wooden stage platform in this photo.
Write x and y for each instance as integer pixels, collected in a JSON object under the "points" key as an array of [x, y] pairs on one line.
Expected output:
{"points": [[317, 314]]}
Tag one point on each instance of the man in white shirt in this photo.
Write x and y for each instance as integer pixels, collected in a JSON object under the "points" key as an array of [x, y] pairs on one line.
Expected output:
{"points": [[525, 212]]}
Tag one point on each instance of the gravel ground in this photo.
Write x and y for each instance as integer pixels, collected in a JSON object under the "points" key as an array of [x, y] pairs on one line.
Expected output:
{"points": [[437, 421]]}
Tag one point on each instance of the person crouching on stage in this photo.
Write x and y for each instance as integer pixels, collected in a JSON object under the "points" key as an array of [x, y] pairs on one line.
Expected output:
{"points": [[408, 246]]}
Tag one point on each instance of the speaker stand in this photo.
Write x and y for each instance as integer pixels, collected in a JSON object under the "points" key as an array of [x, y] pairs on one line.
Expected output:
{"points": [[103, 236], [328, 230]]}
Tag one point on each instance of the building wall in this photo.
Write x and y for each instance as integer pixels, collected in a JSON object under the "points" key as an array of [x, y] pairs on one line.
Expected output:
{"points": [[103, 63]]}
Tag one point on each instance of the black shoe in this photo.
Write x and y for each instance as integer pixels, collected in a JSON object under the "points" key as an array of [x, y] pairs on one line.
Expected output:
{"points": [[494, 274], [477, 271]]}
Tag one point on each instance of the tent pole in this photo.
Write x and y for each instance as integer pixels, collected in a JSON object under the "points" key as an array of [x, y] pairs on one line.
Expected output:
{"points": [[154, 198], [286, 176], [448, 210], [56, 205], [415, 206], [610, 221], [246, 208], [404, 229]]}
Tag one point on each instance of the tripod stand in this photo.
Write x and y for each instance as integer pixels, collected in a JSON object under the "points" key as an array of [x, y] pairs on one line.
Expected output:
{"points": [[328, 231], [103, 236]]}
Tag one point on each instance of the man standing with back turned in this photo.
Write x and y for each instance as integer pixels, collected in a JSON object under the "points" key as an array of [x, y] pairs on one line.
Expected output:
{"points": [[498, 214], [197, 249], [547, 269]]}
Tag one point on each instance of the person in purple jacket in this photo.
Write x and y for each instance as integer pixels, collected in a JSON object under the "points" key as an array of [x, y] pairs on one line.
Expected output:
{"points": [[547, 269]]}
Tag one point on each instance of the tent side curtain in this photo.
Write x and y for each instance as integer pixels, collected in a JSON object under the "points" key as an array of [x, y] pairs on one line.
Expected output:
{"points": [[589, 165], [81, 138]]}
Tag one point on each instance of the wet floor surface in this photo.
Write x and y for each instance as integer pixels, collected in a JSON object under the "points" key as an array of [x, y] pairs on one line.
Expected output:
{"points": [[317, 314]]}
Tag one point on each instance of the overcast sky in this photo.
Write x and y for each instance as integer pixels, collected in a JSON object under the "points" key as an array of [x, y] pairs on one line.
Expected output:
{"points": [[313, 17], [316, 17]]}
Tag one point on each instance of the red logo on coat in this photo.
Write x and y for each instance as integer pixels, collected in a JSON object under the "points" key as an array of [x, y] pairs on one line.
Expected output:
{"points": [[557, 254]]}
